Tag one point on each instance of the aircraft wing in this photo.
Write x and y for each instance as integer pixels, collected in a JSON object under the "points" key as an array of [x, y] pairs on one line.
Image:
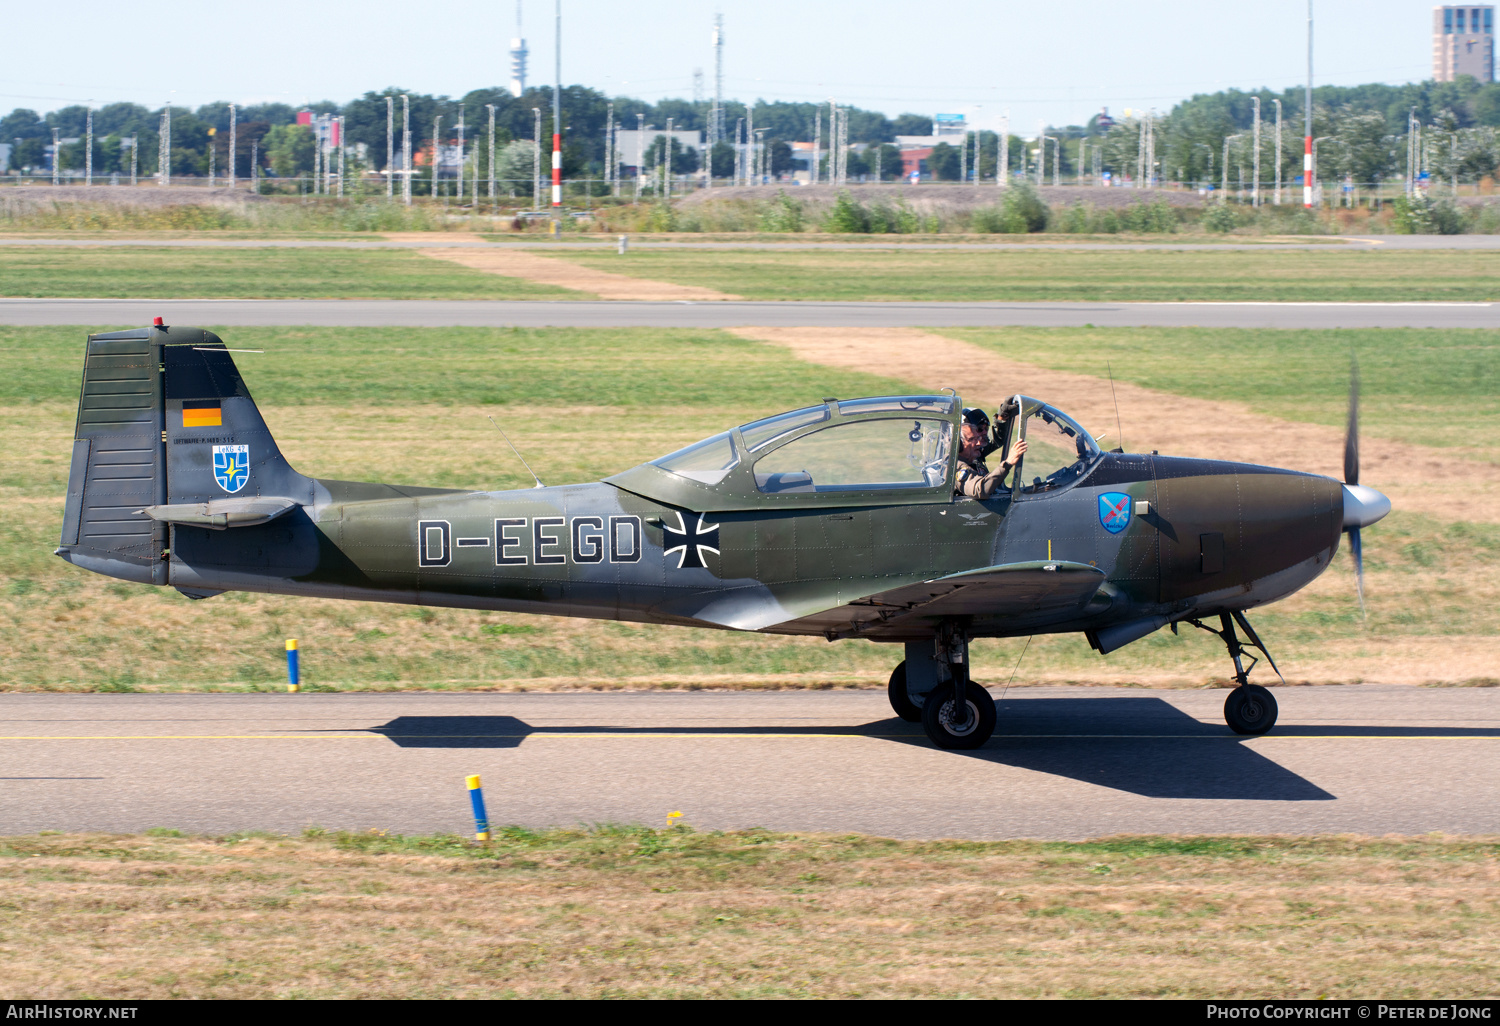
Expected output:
{"points": [[1036, 592]]}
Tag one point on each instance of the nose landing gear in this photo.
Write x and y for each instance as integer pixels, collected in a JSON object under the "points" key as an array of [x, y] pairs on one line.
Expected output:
{"points": [[1249, 708]]}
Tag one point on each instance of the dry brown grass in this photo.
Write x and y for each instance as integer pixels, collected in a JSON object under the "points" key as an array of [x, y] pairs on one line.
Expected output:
{"points": [[636, 912], [546, 270]]}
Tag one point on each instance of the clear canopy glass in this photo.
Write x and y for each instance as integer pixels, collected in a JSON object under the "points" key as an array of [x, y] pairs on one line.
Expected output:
{"points": [[707, 462], [861, 454], [760, 433], [1058, 452]]}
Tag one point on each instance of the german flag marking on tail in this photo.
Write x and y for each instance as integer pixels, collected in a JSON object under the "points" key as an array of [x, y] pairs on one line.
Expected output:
{"points": [[202, 413]]}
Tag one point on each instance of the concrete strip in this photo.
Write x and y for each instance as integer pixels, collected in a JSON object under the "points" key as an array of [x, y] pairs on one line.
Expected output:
{"points": [[547, 270], [1066, 763]]}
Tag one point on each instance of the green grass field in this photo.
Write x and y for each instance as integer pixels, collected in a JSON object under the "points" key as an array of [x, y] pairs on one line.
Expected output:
{"points": [[641, 912], [203, 273], [408, 406], [1038, 275], [1126, 276]]}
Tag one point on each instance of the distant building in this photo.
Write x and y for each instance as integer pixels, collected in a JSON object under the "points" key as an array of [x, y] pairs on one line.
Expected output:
{"points": [[1463, 43], [914, 160], [4, 156]]}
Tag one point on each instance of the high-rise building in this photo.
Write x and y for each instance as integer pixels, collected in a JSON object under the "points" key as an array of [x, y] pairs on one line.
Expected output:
{"points": [[1463, 43], [518, 54]]}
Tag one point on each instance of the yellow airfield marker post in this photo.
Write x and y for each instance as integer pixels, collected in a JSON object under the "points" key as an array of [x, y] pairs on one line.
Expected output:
{"points": [[293, 674]]}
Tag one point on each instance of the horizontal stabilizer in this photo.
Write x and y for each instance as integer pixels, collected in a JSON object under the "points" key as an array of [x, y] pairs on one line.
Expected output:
{"points": [[220, 514]]}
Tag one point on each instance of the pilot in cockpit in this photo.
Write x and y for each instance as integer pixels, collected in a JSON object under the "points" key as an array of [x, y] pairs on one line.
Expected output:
{"points": [[974, 477]]}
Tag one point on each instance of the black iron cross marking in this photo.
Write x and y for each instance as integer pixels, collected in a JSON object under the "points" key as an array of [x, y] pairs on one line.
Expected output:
{"points": [[690, 541]]}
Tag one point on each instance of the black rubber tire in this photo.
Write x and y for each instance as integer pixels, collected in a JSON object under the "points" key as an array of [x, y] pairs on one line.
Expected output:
{"points": [[900, 698], [1250, 709], [937, 714]]}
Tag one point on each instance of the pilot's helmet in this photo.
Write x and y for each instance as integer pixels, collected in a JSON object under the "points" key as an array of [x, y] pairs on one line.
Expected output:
{"points": [[976, 417]]}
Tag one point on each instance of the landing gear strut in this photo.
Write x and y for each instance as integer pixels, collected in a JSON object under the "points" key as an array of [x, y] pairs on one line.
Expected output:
{"points": [[956, 713], [1250, 708]]}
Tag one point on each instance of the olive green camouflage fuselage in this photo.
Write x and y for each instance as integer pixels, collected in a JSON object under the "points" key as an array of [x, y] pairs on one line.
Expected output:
{"points": [[1132, 539]]}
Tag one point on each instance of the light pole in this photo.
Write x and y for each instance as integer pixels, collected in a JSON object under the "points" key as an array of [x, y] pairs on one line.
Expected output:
{"points": [[234, 153], [460, 154], [609, 147], [1278, 151], [406, 147], [1002, 164], [1041, 150], [56, 157], [88, 153], [557, 128], [343, 155], [536, 160], [817, 153], [1307, 153], [390, 147], [437, 151], [1255, 161], [666, 162], [739, 151], [491, 108], [640, 153], [1224, 195]]}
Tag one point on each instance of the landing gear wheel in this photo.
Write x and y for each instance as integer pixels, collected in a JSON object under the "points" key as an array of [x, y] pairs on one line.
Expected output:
{"points": [[938, 718], [901, 701], [1250, 709]]}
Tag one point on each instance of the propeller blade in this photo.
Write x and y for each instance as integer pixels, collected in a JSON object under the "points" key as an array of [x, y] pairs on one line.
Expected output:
{"points": [[1356, 549], [1351, 437]]}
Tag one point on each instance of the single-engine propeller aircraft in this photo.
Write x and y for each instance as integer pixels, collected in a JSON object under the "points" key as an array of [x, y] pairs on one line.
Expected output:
{"points": [[838, 520]]}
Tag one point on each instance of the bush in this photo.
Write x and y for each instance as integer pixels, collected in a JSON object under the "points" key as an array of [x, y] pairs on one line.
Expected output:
{"points": [[1021, 212], [1422, 215], [1154, 217], [848, 216], [1220, 218], [784, 214]]}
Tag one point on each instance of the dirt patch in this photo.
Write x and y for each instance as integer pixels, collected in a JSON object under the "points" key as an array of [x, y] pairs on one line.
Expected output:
{"points": [[547, 270], [432, 237], [1418, 478]]}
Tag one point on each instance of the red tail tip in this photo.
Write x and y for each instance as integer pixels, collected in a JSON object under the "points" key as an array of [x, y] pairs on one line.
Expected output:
{"points": [[157, 322]]}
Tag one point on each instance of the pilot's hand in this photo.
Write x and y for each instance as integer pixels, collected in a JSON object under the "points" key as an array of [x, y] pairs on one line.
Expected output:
{"points": [[1016, 452]]}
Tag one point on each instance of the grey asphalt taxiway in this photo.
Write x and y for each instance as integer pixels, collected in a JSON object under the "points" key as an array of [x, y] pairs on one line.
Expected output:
{"points": [[1065, 763], [362, 313]]}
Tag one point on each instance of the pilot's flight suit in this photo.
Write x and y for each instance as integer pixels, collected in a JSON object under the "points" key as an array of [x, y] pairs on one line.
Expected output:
{"points": [[974, 478]]}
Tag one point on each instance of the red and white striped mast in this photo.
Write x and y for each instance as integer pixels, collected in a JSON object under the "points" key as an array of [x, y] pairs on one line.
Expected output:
{"points": [[557, 130], [1307, 142]]}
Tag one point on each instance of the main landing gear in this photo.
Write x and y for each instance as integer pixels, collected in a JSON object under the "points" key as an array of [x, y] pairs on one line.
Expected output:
{"points": [[932, 686], [1250, 708]]}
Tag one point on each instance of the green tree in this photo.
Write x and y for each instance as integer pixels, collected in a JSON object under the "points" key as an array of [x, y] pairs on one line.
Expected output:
{"points": [[290, 150], [943, 163], [721, 160]]}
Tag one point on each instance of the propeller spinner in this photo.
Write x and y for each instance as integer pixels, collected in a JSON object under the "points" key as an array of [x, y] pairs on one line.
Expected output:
{"points": [[1362, 506]]}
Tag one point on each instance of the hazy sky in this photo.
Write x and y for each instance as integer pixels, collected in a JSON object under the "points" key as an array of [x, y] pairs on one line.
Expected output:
{"points": [[1055, 61]]}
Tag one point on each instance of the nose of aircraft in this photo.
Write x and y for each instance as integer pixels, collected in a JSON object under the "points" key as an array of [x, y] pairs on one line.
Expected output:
{"points": [[1363, 506]]}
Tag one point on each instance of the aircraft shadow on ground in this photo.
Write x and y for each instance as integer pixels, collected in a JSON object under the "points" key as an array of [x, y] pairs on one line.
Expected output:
{"points": [[1137, 744]]}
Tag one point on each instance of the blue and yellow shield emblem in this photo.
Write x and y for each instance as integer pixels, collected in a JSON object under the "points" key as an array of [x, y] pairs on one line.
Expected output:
{"points": [[1114, 511], [231, 466]]}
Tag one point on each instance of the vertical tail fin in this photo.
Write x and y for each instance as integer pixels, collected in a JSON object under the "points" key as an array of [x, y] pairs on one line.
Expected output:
{"points": [[163, 418]]}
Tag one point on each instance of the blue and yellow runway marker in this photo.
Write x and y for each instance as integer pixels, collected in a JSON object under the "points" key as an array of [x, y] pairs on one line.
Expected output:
{"points": [[293, 676], [481, 818]]}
